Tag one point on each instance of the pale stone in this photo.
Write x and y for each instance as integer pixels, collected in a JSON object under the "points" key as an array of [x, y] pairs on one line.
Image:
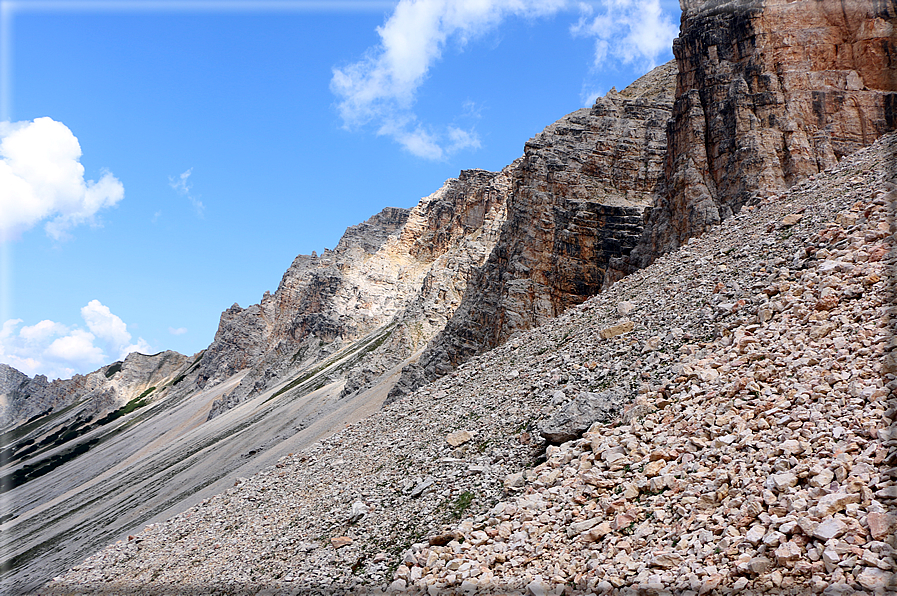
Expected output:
{"points": [[823, 478], [600, 531], [580, 527], [515, 480], [666, 560], [755, 534], [759, 565], [835, 502], [829, 528], [873, 578], [625, 307], [654, 467], [790, 220], [615, 330], [783, 481], [459, 437], [787, 553]]}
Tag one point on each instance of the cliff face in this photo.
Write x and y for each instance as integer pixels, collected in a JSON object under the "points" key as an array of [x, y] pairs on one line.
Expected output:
{"points": [[579, 196], [406, 269], [488, 254], [768, 93]]}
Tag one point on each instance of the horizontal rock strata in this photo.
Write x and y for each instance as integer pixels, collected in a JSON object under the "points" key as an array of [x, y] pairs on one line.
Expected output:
{"points": [[768, 93], [579, 197]]}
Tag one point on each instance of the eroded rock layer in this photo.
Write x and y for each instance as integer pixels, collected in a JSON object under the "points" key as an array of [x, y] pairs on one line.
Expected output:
{"points": [[406, 269], [768, 93], [580, 193]]}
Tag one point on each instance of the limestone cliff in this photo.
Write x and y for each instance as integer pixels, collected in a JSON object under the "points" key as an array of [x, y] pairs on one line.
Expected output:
{"points": [[768, 93], [579, 196], [402, 273]]}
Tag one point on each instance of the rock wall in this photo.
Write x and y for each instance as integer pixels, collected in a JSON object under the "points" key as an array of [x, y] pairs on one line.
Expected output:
{"points": [[402, 268], [579, 196], [768, 93]]}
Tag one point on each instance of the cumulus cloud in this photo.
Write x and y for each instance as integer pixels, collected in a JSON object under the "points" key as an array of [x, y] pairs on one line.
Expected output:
{"points": [[104, 324], [633, 31], [177, 330], [381, 87], [41, 178], [181, 184], [60, 351]]}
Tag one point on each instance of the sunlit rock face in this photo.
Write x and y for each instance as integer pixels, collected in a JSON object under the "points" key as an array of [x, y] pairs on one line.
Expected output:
{"points": [[406, 269], [769, 93]]}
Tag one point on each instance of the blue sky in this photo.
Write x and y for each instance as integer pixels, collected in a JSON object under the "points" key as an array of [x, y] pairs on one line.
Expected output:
{"points": [[218, 140]]}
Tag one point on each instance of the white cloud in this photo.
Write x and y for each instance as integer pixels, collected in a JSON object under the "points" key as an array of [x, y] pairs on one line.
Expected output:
{"points": [[633, 31], [59, 351], [42, 330], [177, 331], [104, 324], [41, 178], [77, 349], [588, 95], [381, 87], [181, 184], [142, 347]]}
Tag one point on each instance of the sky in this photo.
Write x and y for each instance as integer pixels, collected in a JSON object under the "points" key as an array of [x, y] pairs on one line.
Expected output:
{"points": [[161, 160]]}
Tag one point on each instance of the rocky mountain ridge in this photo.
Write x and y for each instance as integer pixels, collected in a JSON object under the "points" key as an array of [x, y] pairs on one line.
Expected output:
{"points": [[761, 96], [753, 453], [26, 399], [550, 222]]}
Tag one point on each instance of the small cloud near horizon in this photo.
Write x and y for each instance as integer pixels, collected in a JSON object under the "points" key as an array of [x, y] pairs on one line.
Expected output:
{"points": [[177, 330]]}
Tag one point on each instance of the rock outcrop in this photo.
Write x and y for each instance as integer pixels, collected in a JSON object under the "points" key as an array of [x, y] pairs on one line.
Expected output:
{"points": [[401, 274], [768, 93], [580, 194], [105, 389]]}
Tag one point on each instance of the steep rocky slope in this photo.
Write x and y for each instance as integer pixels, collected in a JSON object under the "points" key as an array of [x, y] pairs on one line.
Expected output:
{"points": [[401, 272], [766, 94], [754, 449], [534, 239], [580, 193]]}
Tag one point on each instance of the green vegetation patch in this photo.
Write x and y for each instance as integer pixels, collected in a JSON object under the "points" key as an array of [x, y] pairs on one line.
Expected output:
{"points": [[71, 431], [462, 504]]}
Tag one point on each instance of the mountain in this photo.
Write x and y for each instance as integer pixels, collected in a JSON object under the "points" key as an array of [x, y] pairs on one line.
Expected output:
{"points": [[732, 416], [25, 399], [761, 108]]}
